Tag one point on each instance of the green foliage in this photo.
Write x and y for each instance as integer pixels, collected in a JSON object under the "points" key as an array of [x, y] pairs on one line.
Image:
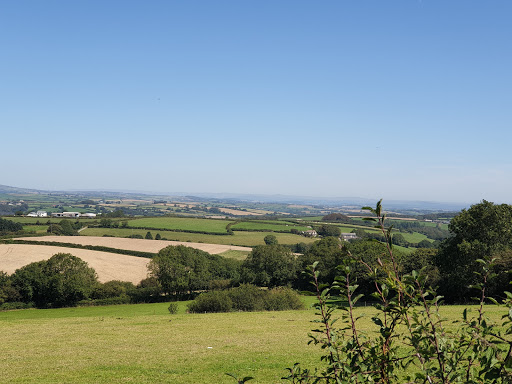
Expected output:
{"points": [[270, 240], [8, 226], [111, 289], [173, 308], [410, 342], [148, 236], [329, 230], [270, 266], [181, 269], [337, 217], [213, 301], [247, 298], [484, 231], [62, 280], [329, 252], [64, 228]]}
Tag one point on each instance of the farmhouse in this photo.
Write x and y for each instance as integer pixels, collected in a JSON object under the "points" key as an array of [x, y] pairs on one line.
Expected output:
{"points": [[38, 214], [348, 236], [309, 233], [66, 214]]}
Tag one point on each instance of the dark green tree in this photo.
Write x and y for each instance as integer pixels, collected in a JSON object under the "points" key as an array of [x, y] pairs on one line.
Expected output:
{"points": [[69, 280], [60, 281], [9, 226], [181, 269], [329, 252], [329, 230], [270, 240], [270, 266], [149, 236], [482, 232]]}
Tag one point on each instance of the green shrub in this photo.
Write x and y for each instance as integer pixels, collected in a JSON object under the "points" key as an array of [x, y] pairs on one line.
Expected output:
{"points": [[214, 301], [123, 299], [282, 299], [15, 305], [247, 297], [173, 308]]}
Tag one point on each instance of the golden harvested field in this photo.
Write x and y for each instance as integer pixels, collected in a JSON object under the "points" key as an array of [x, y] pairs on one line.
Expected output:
{"points": [[108, 266], [141, 245]]}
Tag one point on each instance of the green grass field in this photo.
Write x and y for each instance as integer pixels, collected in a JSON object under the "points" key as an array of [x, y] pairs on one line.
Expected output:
{"points": [[35, 228], [414, 237], [237, 255], [248, 239], [183, 223], [263, 226], [145, 344]]}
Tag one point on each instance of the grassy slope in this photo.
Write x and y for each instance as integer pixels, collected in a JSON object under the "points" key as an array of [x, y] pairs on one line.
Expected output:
{"points": [[239, 238], [145, 344], [255, 226], [206, 225]]}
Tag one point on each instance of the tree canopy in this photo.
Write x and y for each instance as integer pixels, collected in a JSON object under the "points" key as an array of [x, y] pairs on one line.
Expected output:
{"points": [[483, 231], [270, 265]]}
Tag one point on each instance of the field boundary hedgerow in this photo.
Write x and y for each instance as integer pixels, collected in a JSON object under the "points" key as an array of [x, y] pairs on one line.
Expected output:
{"points": [[147, 255]]}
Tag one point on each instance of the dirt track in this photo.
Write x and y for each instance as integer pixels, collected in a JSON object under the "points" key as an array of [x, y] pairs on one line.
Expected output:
{"points": [[109, 266], [136, 244]]}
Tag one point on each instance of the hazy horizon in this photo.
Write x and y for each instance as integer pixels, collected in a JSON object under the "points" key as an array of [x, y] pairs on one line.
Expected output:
{"points": [[393, 100]]}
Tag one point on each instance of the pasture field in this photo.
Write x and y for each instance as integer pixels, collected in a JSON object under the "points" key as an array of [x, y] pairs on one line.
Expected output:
{"points": [[182, 223], [265, 226], [35, 228], [233, 254], [145, 344], [246, 239], [414, 237]]}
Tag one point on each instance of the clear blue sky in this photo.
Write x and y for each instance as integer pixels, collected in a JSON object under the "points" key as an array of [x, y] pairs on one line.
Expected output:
{"points": [[380, 99]]}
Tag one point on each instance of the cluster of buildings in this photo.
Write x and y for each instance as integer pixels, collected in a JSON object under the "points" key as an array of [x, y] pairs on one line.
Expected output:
{"points": [[73, 215]]}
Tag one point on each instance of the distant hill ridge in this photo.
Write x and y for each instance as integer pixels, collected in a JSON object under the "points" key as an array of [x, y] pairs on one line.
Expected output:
{"points": [[261, 198]]}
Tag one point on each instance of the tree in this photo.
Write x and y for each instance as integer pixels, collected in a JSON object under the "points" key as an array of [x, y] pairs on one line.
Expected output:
{"points": [[158, 237], [8, 226], [329, 230], [270, 240], [329, 253], [60, 281], [482, 232], [69, 280], [149, 236], [64, 228], [181, 269], [338, 217], [270, 266]]}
